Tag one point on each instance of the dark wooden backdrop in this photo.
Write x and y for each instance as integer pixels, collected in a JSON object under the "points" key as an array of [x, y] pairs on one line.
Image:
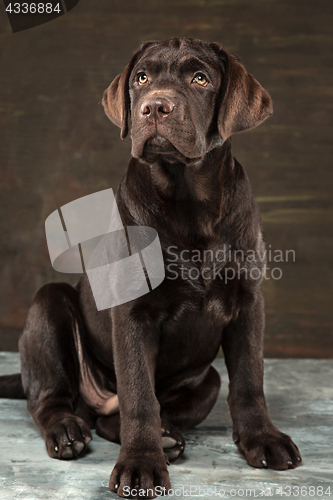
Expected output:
{"points": [[56, 144]]}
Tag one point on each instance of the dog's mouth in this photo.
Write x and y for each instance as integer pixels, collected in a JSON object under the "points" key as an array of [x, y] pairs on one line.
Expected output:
{"points": [[158, 145]]}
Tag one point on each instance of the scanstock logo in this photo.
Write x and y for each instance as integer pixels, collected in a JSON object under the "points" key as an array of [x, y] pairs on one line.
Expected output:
{"points": [[122, 263], [24, 15]]}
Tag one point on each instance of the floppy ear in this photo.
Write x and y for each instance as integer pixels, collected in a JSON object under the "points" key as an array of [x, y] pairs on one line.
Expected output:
{"points": [[245, 103], [116, 101]]}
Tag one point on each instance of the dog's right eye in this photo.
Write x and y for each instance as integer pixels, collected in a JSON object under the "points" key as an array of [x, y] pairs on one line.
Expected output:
{"points": [[142, 78]]}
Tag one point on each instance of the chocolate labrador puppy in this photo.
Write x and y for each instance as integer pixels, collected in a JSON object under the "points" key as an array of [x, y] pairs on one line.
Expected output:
{"points": [[141, 372]]}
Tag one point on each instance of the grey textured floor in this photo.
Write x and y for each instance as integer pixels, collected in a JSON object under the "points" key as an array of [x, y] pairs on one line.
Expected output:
{"points": [[300, 399]]}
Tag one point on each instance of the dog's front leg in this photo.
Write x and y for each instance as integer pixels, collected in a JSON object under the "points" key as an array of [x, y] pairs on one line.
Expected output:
{"points": [[141, 464], [262, 444]]}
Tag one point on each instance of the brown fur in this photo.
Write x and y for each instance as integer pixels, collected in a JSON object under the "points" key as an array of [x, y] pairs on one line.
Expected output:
{"points": [[155, 352]]}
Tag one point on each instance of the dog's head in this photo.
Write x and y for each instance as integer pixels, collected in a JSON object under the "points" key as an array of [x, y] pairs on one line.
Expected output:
{"points": [[184, 97]]}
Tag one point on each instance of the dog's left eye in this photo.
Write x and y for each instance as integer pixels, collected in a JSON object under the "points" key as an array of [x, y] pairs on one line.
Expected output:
{"points": [[201, 79], [142, 78]]}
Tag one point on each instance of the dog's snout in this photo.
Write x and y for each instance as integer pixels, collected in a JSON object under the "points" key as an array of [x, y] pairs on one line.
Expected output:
{"points": [[154, 109]]}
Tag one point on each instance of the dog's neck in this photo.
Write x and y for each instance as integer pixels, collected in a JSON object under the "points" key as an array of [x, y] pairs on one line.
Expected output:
{"points": [[199, 180], [198, 196]]}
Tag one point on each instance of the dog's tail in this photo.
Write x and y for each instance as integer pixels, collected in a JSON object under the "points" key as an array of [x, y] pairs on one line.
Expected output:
{"points": [[11, 387]]}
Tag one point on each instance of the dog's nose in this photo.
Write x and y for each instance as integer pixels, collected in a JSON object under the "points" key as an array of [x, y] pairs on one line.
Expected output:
{"points": [[155, 109]]}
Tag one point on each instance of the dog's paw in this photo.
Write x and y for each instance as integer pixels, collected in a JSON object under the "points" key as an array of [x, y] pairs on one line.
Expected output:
{"points": [[67, 438], [268, 449], [142, 476], [173, 441]]}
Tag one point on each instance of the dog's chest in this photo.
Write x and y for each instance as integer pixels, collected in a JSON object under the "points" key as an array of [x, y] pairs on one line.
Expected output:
{"points": [[208, 275], [202, 292], [189, 338], [191, 332]]}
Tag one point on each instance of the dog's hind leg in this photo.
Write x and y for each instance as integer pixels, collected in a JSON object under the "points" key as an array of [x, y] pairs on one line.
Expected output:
{"points": [[173, 442], [181, 409], [188, 406], [50, 370], [108, 427]]}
